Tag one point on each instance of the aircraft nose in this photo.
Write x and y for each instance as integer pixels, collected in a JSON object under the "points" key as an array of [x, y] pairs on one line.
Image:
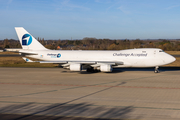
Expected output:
{"points": [[169, 59], [173, 59]]}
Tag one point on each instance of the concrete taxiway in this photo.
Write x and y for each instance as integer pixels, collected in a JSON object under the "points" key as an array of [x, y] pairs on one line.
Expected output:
{"points": [[123, 94]]}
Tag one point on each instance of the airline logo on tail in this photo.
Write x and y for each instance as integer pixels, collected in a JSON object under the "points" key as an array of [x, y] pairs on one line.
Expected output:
{"points": [[26, 39]]}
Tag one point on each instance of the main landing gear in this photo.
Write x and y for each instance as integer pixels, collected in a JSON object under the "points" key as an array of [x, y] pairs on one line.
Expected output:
{"points": [[156, 69], [92, 70]]}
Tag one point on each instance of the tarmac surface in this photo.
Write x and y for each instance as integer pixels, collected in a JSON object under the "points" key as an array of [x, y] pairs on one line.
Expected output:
{"points": [[56, 93]]}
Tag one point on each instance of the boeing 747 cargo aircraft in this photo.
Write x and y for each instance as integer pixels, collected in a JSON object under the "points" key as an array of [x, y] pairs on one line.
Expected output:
{"points": [[102, 60]]}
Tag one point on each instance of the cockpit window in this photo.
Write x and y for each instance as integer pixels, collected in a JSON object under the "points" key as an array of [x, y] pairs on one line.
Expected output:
{"points": [[161, 51]]}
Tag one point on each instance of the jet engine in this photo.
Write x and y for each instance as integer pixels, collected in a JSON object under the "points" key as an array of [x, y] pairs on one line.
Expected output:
{"points": [[105, 68], [75, 67]]}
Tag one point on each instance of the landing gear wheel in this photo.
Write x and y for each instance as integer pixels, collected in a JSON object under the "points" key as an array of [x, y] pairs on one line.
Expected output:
{"points": [[156, 69]]}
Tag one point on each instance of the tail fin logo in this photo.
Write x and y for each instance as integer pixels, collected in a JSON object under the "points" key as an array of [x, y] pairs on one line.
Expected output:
{"points": [[26, 39]]}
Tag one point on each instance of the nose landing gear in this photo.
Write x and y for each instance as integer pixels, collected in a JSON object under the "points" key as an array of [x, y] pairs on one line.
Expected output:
{"points": [[156, 69]]}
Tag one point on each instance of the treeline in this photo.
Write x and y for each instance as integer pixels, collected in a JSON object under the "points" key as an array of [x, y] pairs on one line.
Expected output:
{"points": [[99, 44]]}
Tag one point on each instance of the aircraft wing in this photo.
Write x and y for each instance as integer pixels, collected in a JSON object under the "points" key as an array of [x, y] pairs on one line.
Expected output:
{"points": [[84, 62], [105, 66], [55, 62], [92, 63]]}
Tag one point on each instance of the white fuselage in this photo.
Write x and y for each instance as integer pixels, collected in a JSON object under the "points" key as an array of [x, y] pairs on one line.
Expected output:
{"points": [[143, 57]]}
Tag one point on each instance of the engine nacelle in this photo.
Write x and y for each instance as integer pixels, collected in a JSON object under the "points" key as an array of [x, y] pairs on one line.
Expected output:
{"points": [[105, 68], [75, 67]]}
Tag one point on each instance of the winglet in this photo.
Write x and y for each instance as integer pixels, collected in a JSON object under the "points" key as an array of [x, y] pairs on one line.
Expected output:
{"points": [[27, 60]]}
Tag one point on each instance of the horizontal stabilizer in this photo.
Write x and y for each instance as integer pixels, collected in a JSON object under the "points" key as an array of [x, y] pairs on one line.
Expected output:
{"points": [[28, 52], [12, 49]]}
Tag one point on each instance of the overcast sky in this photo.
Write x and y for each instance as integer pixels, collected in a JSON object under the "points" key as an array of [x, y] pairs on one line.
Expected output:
{"points": [[113, 19]]}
